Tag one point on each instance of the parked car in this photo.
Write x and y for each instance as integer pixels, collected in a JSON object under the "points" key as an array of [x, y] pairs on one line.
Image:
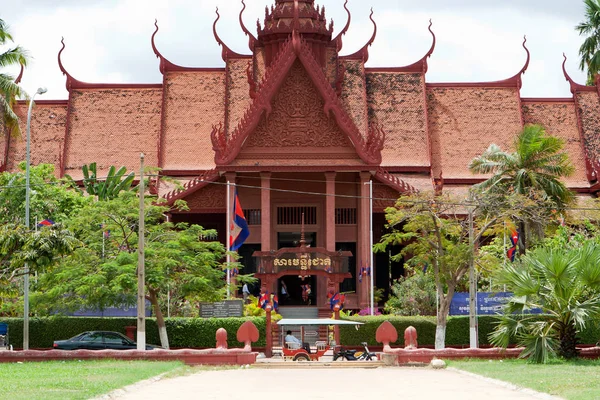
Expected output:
{"points": [[98, 340]]}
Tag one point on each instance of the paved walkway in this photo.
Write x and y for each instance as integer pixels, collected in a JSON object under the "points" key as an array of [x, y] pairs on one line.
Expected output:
{"points": [[341, 383]]}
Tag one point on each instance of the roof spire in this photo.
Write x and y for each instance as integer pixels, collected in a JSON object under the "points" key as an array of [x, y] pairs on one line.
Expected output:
{"points": [[251, 38], [338, 38]]}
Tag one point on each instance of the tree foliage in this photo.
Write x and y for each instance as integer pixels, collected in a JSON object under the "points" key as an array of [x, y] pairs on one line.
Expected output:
{"points": [[589, 50], [109, 187], [9, 90], [565, 284]]}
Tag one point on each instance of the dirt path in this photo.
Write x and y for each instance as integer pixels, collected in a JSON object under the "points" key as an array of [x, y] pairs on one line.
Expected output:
{"points": [[308, 384]]}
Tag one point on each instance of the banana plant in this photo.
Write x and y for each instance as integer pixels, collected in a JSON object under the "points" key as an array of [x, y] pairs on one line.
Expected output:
{"points": [[115, 182]]}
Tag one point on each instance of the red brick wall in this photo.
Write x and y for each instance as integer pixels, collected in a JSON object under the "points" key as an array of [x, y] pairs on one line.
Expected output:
{"points": [[47, 135], [238, 93], [560, 120], [397, 102], [194, 103], [589, 108], [463, 122], [112, 127], [354, 94]]}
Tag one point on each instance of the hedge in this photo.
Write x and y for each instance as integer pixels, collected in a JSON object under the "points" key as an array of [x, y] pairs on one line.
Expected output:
{"points": [[457, 330], [200, 332], [183, 332]]}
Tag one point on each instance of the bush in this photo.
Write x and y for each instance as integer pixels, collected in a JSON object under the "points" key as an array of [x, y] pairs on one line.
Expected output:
{"points": [[412, 295]]}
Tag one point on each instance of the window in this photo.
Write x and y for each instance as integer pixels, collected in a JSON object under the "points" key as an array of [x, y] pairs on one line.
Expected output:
{"points": [[293, 215], [252, 217], [345, 216]]}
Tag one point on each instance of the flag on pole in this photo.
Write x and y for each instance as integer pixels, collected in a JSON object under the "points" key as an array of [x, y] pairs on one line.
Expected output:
{"points": [[514, 239], [239, 231], [46, 222]]}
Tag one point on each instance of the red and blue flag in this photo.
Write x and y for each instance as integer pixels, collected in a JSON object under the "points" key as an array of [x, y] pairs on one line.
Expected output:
{"points": [[239, 227], [46, 222], [263, 300], [514, 239]]}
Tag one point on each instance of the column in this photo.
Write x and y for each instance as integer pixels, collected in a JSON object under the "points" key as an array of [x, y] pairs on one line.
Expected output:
{"points": [[265, 211], [362, 245], [330, 211]]}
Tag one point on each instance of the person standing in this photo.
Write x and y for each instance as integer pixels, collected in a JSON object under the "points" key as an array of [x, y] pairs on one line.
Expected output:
{"points": [[245, 293], [284, 292]]}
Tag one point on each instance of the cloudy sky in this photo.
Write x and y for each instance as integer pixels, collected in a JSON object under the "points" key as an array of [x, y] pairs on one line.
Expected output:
{"points": [[108, 41]]}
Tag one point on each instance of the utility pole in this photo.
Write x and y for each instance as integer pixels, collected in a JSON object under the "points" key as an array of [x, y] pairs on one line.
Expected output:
{"points": [[472, 287], [141, 297]]}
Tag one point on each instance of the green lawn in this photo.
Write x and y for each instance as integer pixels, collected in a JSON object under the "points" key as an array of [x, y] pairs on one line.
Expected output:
{"points": [[574, 380], [66, 380]]}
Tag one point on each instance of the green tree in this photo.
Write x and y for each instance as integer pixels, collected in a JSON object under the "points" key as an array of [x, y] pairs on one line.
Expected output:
{"points": [[9, 90], [565, 284], [110, 187], [533, 170], [413, 295], [590, 29], [178, 261]]}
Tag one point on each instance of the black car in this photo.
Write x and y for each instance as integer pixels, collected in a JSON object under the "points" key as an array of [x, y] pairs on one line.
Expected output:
{"points": [[98, 340]]}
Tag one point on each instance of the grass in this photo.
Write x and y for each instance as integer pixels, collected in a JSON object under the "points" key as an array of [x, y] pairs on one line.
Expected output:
{"points": [[66, 380], [572, 380]]}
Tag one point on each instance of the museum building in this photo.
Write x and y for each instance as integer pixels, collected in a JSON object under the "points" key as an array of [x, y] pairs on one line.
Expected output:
{"points": [[302, 130]]}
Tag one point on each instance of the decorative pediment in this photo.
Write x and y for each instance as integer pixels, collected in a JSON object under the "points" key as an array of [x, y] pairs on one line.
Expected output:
{"points": [[297, 119], [368, 145]]}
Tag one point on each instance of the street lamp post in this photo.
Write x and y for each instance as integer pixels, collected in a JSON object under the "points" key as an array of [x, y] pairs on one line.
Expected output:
{"points": [[26, 277]]}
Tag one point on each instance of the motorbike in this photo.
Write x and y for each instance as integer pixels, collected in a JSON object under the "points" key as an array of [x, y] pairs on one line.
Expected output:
{"points": [[355, 355]]}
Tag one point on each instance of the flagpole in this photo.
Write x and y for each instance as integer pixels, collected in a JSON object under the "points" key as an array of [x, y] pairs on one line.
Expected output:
{"points": [[228, 239], [371, 266]]}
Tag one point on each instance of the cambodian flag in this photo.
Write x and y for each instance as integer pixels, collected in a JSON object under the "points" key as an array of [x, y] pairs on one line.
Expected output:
{"points": [[263, 300], [239, 227], [514, 239], [46, 222], [275, 302]]}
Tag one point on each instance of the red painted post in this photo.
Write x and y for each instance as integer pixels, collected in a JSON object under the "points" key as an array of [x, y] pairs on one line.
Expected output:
{"points": [[336, 328], [269, 333]]}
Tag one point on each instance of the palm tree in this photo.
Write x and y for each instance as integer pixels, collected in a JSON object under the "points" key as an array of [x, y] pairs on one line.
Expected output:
{"points": [[534, 169], [565, 285], [9, 90], [590, 27]]}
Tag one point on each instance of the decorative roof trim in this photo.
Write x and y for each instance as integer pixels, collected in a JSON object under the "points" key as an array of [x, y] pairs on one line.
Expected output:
{"points": [[251, 38], [227, 147], [192, 186], [168, 66], [44, 102], [547, 100], [226, 52], [338, 39], [394, 182], [18, 80], [517, 77], [363, 54], [419, 66], [575, 87], [73, 83]]}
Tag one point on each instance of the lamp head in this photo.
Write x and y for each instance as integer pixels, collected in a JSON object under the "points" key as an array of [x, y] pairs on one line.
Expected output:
{"points": [[41, 90]]}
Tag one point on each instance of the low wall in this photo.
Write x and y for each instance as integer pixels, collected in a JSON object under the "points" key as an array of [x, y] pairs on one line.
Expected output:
{"points": [[188, 356]]}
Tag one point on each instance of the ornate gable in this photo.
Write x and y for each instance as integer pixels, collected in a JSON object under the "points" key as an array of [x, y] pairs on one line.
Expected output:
{"points": [[297, 126]]}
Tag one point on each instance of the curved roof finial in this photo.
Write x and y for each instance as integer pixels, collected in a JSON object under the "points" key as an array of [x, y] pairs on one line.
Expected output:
{"points": [[70, 79], [226, 52], [251, 38], [338, 38], [574, 85], [155, 50], [528, 56], [430, 52], [18, 80], [364, 52]]}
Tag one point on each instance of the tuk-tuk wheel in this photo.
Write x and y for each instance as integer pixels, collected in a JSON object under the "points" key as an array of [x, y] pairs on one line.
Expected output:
{"points": [[301, 357]]}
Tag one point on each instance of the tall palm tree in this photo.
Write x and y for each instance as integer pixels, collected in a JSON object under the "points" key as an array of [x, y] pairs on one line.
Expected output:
{"points": [[589, 50], [9, 90], [538, 163], [565, 285]]}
